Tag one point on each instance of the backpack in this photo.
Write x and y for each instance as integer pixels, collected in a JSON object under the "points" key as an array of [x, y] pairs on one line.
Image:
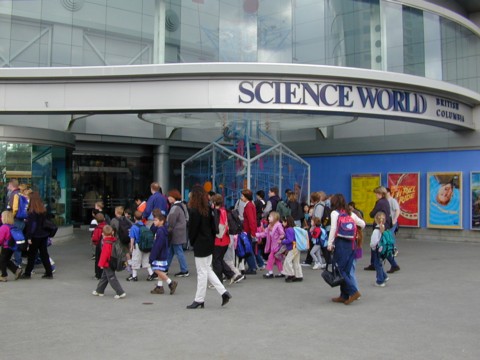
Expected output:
{"points": [[301, 238], [50, 227], [98, 233], [346, 227], [386, 245], [283, 209], [326, 221], [118, 258], [323, 238], [235, 225], [17, 241], [123, 231], [243, 245], [145, 243], [22, 207]]}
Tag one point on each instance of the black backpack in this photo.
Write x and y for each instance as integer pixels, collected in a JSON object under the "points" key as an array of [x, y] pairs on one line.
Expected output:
{"points": [[123, 231], [327, 212], [235, 225]]}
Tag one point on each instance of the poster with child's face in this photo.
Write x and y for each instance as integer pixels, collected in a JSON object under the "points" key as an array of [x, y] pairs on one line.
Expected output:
{"points": [[475, 200], [444, 200]]}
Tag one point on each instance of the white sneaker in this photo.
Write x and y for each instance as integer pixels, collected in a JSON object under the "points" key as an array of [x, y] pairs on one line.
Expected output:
{"points": [[95, 293], [380, 285], [316, 266], [323, 266], [116, 297]]}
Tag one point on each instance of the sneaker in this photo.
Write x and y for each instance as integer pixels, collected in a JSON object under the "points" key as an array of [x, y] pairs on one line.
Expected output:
{"points": [[297, 279], [316, 266], [251, 272], [53, 268], [152, 277], [18, 273], [305, 264], [45, 276], [261, 268], [369, 268], [132, 278], [323, 266], [279, 276], [116, 297], [289, 279], [182, 274], [158, 290], [393, 269], [268, 276], [173, 287], [380, 285], [95, 293], [238, 278]]}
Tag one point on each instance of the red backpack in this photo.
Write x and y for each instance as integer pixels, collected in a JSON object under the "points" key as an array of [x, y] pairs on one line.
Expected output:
{"points": [[346, 226], [98, 233]]}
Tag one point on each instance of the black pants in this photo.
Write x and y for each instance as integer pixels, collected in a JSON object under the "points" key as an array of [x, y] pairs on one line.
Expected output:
{"points": [[218, 264], [38, 245], [98, 250], [6, 262]]}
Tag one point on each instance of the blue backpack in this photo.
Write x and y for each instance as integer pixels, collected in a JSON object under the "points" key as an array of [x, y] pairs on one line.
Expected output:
{"points": [[301, 238], [243, 245], [17, 241], [22, 207]]}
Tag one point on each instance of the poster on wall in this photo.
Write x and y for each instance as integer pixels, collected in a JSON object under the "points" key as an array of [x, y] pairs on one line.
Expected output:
{"points": [[475, 200], [405, 187], [444, 200], [362, 192]]}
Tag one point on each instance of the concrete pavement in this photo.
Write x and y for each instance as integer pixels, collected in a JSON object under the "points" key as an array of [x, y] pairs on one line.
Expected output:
{"points": [[428, 310]]}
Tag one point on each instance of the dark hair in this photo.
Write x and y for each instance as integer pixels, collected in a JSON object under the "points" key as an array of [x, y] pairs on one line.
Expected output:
{"points": [[248, 194], [289, 220], [160, 217], [337, 202], [261, 193], [138, 197], [198, 200], [217, 200], [211, 193], [274, 189], [100, 217]]}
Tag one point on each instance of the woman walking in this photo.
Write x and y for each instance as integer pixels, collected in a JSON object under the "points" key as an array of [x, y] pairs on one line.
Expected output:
{"points": [[201, 232], [344, 254], [37, 236]]}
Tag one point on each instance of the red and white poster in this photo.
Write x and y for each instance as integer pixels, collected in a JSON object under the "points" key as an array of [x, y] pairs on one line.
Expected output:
{"points": [[405, 187]]}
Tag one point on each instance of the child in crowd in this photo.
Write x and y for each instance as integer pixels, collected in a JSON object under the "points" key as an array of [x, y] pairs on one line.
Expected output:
{"points": [[319, 238], [6, 252], [274, 234], [291, 265], [99, 206], [159, 256], [140, 259], [380, 219], [97, 236], [108, 275]]}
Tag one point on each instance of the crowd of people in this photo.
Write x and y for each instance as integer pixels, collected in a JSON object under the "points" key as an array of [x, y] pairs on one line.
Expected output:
{"points": [[265, 229], [164, 226]]}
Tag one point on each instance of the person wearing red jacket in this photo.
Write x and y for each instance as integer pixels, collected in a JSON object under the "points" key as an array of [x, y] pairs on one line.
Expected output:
{"points": [[108, 274], [250, 227]]}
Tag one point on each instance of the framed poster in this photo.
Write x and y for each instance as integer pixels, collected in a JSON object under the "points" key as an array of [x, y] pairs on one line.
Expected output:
{"points": [[444, 200], [362, 193], [475, 200], [405, 187]]}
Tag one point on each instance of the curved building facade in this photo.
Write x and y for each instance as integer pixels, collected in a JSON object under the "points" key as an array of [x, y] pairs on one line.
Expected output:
{"points": [[143, 85]]}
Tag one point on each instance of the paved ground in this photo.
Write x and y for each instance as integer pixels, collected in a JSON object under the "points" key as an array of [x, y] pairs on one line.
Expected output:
{"points": [[429, 310]]}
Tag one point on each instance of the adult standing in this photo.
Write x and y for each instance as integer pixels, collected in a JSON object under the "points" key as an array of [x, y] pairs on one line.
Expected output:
{"points": [[295, 207], [272, 201], [250, 228], [37, 236], [344, 254], [177, 230], [382, 205], [201, 232], [155, 201]]}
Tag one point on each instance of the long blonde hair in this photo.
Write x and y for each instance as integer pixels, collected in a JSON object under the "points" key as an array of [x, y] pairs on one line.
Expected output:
{"points": [[7, 217]]}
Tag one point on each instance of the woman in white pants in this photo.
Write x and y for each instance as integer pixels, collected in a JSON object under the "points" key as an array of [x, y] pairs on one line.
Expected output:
{"points": [[201, 232]]}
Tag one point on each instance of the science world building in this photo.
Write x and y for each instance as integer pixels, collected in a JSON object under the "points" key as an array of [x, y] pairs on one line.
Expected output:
{"points": [[103, 97]]}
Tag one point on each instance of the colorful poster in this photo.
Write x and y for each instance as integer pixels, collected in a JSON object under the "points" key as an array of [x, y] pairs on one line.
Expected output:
{"points": [[362, 193], [444, 200], [475, 199], [405, 187]]}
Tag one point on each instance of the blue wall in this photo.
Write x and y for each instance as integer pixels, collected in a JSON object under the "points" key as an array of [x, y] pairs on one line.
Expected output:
{"points": [[332, 174]]}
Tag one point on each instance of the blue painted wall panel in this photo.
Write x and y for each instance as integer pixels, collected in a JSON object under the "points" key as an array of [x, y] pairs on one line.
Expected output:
{"points": [[332, 173]]}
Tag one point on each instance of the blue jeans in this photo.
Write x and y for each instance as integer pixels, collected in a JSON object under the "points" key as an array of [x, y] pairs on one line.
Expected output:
{"points": [[392, 261], [377, 262], [352, 273], [19, 224], [344, 256], [177, 249], [259, 255]]}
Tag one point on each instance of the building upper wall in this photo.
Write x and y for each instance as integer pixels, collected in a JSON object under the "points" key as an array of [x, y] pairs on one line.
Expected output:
{"points": [[409, 37]]}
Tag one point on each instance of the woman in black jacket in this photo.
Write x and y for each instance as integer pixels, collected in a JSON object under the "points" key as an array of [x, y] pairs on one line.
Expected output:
{"points": [[37, 236], [201, 232]]}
